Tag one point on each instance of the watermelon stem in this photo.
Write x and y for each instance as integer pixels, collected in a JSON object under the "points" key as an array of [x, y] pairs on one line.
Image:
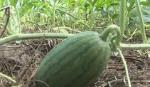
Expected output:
{"points": [[126, 67], [114, 39]]}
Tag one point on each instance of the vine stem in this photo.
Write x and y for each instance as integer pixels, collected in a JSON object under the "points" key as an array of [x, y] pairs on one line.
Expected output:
{"points": [[33, 36], [126, 67], [7, 77], [62, 36], [135, 46], [104, 35]]}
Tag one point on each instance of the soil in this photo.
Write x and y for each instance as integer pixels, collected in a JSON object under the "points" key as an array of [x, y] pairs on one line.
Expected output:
{"points": [[20, 61]]}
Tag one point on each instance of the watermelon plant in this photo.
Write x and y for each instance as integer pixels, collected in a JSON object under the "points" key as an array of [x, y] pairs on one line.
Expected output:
{"points": [[85, 54], [78, 60]]}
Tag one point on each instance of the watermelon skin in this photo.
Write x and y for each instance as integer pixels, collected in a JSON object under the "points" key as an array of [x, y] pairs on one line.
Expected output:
{"points": [[75, 62]]}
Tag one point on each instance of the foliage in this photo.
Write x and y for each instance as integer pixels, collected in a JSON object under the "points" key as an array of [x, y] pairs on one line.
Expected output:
{"points": [[82, 15]]}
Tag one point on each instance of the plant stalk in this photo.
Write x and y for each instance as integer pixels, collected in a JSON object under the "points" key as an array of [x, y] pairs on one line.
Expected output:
{"points": [[134, 46], [33, 36], [123, 15], [126, 67], [7, 77], [61, 36], [141, 21]]}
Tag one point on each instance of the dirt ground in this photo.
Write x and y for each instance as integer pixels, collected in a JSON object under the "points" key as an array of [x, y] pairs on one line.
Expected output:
{"points": [[20, 61]]}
